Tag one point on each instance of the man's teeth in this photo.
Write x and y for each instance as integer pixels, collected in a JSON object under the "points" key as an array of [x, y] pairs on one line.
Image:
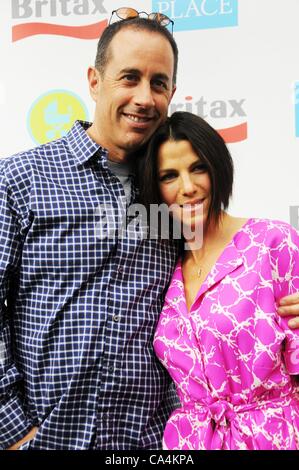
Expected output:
{"points": [[137, 119]]}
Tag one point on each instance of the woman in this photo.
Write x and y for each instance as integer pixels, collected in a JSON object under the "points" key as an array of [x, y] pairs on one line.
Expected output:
{"points": [[232, 358]]}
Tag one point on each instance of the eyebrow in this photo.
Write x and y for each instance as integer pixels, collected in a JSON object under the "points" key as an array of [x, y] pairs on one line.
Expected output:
{"points": [[159, 76], [166, 170], [129, 70]]}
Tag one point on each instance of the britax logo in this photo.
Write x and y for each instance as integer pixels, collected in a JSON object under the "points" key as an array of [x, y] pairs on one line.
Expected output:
{"points": [[199, 14], [217, 109], [27, 9]]}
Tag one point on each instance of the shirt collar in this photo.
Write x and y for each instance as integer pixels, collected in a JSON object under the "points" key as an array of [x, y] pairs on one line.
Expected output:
{"points": [[82, 146]]}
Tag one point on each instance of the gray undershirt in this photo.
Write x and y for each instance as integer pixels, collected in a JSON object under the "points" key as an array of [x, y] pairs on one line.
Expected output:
{"points": [[124, 172]]}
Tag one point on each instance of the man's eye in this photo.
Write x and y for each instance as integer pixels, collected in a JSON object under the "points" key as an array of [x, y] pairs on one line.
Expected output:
{"points": [[159, 84], [130, 78]]}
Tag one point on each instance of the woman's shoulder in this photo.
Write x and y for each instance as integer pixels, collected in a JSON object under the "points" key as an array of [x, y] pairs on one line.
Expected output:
{"points": [[272, 231], [269, 224]]}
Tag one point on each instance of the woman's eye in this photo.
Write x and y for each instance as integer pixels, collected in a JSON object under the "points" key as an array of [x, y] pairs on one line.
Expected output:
{"points": [[200, 168], [167, 177]]}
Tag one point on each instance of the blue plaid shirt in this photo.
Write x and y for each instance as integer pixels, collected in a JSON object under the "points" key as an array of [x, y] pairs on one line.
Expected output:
{"points": [[78, 309]]}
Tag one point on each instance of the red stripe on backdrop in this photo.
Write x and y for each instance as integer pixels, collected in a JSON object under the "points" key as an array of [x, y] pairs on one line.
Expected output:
{"points": [[234, 134], [91, 31]]}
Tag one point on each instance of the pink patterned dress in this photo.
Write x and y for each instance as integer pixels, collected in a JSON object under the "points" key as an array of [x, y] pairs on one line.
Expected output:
{"points": [[232, 357]]}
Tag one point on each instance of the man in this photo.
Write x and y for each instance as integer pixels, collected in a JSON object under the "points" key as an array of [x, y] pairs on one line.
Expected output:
{"points": [[78, 309]]}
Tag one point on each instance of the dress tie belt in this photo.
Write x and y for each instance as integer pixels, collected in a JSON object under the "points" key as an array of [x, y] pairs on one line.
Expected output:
{"points": [[221, 412], [223, 417]]}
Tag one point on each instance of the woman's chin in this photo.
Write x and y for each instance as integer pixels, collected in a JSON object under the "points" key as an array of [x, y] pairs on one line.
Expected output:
{"points": [[192, 227]]}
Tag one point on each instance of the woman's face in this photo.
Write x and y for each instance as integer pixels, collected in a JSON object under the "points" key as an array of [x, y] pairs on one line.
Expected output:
{"points": [[184, 182]]}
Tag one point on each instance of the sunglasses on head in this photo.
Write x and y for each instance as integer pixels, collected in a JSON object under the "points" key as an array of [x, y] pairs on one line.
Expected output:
{"points": [[125, 13]]}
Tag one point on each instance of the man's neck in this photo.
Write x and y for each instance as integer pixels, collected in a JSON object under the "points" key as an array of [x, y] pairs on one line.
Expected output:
{"points": [[114, 155]]}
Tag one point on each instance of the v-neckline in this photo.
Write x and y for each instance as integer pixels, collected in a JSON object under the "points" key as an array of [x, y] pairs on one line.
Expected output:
{"points": [[205, 284]]}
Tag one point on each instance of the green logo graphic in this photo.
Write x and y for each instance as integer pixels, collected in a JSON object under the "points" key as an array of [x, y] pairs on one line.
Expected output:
{"points": [[52, 115]]}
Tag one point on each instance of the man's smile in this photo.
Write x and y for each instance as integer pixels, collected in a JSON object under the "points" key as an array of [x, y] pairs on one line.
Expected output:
{"points": [[139, 121]]}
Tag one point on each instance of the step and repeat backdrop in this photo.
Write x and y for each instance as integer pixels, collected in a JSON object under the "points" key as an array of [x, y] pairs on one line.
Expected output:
{"points": [[238, 68]]}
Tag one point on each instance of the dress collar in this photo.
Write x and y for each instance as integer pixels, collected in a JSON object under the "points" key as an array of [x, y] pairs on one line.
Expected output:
{"points": [[229, 260]]}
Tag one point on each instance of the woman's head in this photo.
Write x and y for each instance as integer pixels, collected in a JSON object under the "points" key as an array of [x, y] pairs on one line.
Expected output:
{"points": [[187, 161]]}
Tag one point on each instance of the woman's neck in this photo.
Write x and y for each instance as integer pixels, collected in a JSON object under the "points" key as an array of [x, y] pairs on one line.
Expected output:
{"points": [[216, 236]]}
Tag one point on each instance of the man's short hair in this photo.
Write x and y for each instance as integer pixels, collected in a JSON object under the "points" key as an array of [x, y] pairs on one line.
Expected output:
{"points": [[142, 24]]}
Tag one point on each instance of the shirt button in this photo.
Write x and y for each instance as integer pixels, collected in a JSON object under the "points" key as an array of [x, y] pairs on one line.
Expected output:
{"points": [[120, 269], [115, 318], [175, 299], [110, 368]]}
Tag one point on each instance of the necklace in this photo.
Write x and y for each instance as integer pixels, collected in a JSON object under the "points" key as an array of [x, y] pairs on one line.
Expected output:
{"points": [[198, 268]]}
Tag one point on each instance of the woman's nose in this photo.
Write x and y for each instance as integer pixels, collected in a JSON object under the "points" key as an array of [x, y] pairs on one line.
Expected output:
{"points": [[187, 185]]}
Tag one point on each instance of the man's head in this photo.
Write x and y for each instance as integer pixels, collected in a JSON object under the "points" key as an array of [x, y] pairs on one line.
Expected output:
{"points": [[141, 24], [132, 84]]}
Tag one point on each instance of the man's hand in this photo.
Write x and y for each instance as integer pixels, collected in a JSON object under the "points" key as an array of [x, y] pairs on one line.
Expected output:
{"points": [[28, 437], [289, 305]]}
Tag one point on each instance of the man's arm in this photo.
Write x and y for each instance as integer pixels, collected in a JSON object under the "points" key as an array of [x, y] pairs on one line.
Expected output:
{"points": [[14, 424], [289, 305]]}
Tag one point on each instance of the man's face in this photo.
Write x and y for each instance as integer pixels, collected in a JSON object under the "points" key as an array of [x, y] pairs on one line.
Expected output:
{"points": [[133, 95]]}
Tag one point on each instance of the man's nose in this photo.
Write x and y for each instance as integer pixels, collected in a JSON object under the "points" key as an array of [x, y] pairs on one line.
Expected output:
{"points": [[144, 95]]}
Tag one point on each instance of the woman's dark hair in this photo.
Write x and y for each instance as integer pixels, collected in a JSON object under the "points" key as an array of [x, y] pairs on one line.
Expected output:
{"points": [[206, 143]]}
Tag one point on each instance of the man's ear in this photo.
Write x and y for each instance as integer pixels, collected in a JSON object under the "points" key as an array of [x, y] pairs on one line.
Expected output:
{"points": [[172, 93], [94, 79]]}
